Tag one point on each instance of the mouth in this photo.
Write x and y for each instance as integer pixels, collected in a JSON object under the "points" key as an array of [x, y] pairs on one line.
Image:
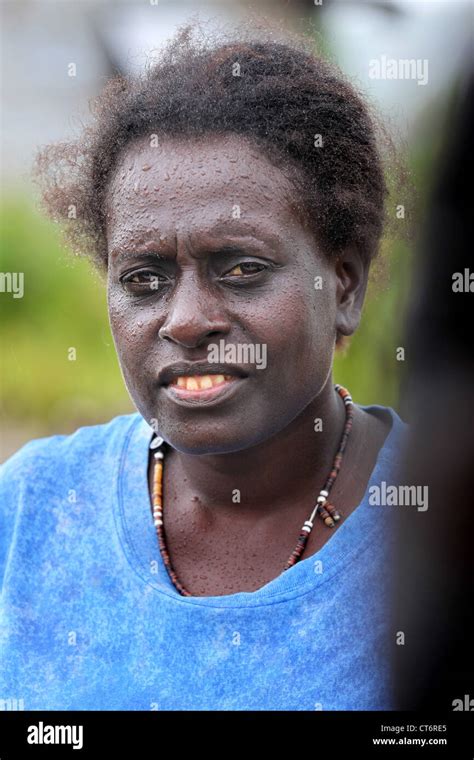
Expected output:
{"points": [[201, 386]]}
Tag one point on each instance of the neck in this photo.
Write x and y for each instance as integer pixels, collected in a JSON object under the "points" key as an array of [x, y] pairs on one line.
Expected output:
{"points": [[290, 464]]}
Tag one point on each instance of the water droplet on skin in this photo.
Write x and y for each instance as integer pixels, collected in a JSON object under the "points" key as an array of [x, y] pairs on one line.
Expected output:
{"points": [[146, 167]]}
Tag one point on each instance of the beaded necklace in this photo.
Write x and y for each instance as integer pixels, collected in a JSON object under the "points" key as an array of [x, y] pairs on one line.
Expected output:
{"points": [[326, 511]]}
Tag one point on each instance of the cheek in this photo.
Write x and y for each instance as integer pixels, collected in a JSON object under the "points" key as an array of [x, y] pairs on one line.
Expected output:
{"points": [[127, 326], [119, 324], [297, 326]]}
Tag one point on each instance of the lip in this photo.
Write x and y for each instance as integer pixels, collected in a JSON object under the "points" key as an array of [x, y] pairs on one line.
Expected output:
{"points": [[206, 397], [172, 371]]}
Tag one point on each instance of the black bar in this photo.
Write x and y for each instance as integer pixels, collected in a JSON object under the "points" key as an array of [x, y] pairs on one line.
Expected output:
{"points": [[139, 734]]}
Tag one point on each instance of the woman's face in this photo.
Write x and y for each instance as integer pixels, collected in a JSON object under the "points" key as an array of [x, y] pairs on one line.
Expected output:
{"points": [[205, 250]]}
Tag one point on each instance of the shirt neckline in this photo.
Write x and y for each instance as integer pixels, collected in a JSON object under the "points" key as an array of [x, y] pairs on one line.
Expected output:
{"points": [[137, 534]]}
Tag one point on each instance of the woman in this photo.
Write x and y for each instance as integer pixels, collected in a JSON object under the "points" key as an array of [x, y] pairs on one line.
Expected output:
{"points": [[217, 549]]}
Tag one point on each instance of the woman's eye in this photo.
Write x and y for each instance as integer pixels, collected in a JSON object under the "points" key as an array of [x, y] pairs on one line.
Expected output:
{"points": [[142, 282], [245, 268]]}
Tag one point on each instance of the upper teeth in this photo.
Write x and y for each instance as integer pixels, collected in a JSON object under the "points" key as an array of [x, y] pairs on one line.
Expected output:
{"points": [[199, 382]]}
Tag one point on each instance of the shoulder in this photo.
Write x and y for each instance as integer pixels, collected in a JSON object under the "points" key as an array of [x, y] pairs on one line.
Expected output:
{"points": [[42, 468], [390, 466], [52, 453], [390, 437], [389, 419], [38, 477]]}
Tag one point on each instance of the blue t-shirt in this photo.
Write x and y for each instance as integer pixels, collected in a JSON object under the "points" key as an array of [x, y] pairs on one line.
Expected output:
{"points": [[90, 620]]}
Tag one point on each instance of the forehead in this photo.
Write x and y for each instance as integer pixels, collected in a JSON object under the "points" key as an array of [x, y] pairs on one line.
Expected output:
{"points": [[187, 186]]}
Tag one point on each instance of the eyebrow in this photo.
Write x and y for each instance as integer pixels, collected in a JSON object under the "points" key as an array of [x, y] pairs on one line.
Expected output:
{"points": [[226, 229], [128, 254]]}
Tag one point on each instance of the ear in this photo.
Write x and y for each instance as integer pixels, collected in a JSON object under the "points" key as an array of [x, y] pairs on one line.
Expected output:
{"points": [[351, 284]]}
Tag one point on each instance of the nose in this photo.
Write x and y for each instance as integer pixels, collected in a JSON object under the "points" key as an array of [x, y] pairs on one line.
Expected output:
{"points": [[194, 315]]}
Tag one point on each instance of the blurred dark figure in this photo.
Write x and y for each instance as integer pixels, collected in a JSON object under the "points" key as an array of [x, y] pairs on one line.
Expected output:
{"points": [[435, 574]]}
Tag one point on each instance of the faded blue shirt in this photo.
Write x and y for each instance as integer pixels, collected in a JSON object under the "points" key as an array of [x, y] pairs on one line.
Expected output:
{"points": [[90, 620]]}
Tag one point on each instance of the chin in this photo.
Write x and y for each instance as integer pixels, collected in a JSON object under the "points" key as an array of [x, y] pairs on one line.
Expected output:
{"points": [[198, 438]]}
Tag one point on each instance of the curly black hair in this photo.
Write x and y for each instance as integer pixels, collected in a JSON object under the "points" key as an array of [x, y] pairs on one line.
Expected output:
{"points": [[277, 92]]}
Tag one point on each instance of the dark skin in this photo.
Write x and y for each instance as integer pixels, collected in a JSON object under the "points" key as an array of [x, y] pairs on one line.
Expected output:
{"points": [[248, 279]]}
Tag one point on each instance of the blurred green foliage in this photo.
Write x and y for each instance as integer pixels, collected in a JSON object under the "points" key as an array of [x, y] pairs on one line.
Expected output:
{"points": [[371, 367], [63, 307]]}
